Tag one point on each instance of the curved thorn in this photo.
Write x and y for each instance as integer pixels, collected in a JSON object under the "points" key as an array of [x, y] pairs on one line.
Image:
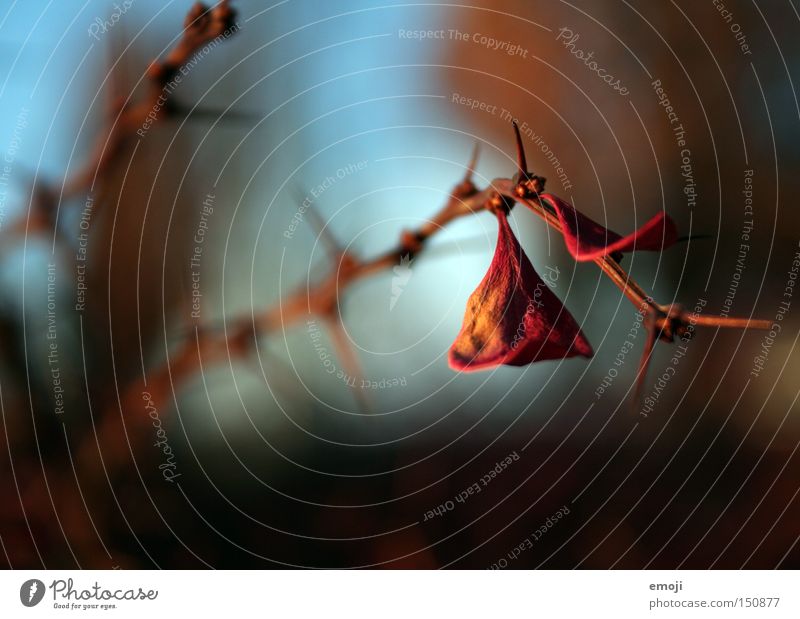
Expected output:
{"points": [[522, 164]]}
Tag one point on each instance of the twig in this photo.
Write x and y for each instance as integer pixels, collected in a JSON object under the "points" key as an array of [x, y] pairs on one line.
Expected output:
{"points": [[202, 26]]}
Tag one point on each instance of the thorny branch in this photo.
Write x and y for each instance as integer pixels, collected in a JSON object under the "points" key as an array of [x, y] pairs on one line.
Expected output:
{"points": [[201, 26], [204, 25], [664, 322], [236, 337]]}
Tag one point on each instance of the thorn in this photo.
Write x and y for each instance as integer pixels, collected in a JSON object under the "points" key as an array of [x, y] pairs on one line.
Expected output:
{"points": [[320, 226], [349, 360], [644, 363], [473, 162], [522, 164]]}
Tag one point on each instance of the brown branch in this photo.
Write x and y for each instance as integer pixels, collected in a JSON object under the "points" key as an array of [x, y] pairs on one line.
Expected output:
{"points": [[322, 299], [202, 26]]}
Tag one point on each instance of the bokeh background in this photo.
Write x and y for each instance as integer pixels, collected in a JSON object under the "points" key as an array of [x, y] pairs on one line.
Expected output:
{"points": [[276, 461]]}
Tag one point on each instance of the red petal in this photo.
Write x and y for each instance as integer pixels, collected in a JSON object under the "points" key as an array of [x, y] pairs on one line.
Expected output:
{"points": [[513, 318], [587, 239]]}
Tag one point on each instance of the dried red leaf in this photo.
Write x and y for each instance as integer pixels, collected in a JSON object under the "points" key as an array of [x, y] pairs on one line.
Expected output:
{"points": [[586, 239], [513, 317]]}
